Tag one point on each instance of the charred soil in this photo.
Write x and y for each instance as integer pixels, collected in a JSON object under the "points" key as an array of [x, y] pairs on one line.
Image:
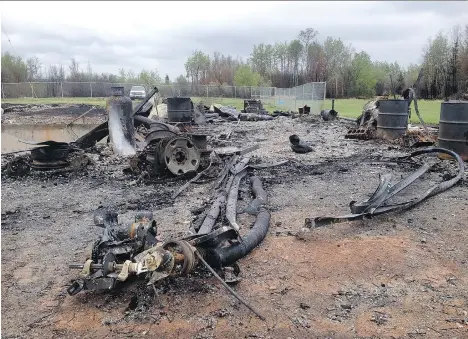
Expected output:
{"points": [[395, 276]]}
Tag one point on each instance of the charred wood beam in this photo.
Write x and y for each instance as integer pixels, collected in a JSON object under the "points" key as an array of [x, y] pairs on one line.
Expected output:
{"points": [[212, 214]]}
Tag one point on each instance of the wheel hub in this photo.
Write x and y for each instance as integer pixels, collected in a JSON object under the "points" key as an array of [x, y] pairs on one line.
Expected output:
{"points": [[181, 156]]}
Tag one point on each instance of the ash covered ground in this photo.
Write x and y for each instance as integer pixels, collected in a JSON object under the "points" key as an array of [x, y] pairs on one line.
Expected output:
{"points": [[399, 275], [52, 113]]}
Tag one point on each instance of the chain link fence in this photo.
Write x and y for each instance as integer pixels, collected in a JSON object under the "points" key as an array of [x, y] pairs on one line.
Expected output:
{"points": [[219, 94], [60, 89], [311, 94]]}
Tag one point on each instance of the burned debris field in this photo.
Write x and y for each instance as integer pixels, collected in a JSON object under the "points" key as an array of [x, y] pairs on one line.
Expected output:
{"points": [[121, 239]]}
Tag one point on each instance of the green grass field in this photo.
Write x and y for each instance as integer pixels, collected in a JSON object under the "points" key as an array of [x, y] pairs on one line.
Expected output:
{"points": [[429, 109], [352, 108]]}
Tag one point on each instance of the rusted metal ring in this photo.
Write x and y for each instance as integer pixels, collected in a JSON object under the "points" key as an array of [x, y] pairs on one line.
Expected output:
{"points": [[189, 255]]}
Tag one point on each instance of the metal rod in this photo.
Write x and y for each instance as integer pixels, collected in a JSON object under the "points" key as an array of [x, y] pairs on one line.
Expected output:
{"points": [[228, 288], [138, 108], [176, 194], [393, 89], [81, 266], [415, 102], [82, 115]]}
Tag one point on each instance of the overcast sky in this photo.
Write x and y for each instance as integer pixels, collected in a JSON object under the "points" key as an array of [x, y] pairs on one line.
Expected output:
{"points": [[136, 35]]}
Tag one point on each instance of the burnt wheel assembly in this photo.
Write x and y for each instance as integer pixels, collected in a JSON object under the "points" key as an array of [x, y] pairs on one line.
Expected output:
{"points": [[180, 155], [184, 255]]}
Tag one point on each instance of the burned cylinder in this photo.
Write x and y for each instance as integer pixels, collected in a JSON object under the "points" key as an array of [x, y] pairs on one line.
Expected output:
{"points": [[121, 130], [179, 109], [453, 127], [392, 121], [328, 114]]}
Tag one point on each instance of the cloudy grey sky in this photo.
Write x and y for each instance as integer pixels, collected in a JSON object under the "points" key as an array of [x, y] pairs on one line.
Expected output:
{"points": [[136, 35]]}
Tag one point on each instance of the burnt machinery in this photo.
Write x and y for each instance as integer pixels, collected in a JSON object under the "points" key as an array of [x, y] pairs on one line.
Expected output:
{"points": [[120, 253], [168, 148], [124, 252], [169, 145], [254, 106]]}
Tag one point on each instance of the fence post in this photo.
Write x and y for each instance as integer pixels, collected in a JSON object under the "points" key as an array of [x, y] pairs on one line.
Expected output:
{"points": [[91, 88], [295, 98], [235, 92], [324, 91], [303, 95], [206, 92], [61, 88]]}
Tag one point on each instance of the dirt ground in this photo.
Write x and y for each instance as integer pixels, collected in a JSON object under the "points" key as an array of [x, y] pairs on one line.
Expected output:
{"points": [[394, 276], [52, 113]]}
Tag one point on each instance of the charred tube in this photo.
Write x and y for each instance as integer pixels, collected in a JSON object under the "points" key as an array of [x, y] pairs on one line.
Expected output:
{"points": [[227, 255], [121, 130]]}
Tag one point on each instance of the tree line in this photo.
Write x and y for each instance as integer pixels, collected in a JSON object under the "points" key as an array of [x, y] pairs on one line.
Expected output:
{"points": [[348, 73]]}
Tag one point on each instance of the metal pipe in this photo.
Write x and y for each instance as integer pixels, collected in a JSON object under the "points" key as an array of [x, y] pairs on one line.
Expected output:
{"points": [[81, 266], [238, 297]]}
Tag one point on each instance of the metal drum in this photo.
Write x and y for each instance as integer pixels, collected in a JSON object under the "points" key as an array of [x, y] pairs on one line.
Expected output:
{"points": [[179, 109], [453, 127], [392, 121], [121, 129]]}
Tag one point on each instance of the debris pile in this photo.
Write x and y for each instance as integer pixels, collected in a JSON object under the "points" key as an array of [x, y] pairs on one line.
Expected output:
{"points": [[121, 253], [254, 106], [398, 128], [379, 202], [367, 122]]}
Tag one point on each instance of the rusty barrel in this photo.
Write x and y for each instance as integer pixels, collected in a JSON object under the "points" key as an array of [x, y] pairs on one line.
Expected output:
{"points": [[392, 121], [453, 127], [179, 109]]}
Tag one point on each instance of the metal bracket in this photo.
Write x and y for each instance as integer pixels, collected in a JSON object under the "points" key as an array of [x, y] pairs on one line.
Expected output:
{"points": [[123, 275], [87, 268]]}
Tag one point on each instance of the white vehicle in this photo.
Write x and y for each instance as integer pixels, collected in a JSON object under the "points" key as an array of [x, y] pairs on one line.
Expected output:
{"points": [[137, 92]]}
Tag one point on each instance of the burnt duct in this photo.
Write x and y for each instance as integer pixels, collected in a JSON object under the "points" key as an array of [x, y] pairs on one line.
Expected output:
{"points": [[225, 256]]}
